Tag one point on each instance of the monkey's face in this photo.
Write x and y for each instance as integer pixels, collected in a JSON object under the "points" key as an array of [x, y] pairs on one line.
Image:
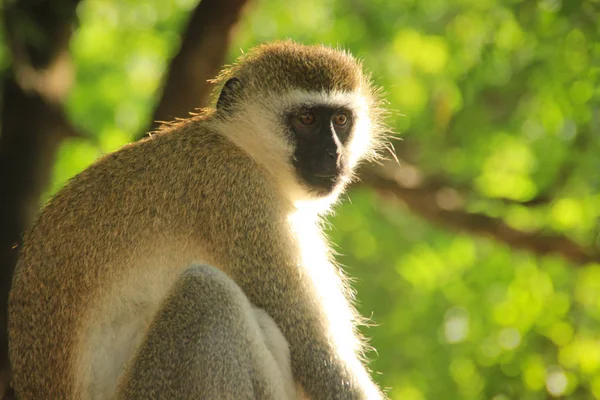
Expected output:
{"points": [[320, 135], [307, 114]]}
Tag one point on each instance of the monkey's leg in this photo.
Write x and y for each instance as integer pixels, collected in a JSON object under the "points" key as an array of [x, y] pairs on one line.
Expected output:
{"points": [[207, 342]]}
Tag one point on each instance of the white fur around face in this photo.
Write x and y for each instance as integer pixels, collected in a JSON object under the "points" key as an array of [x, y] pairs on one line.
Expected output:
{"points": [[251, 129]]}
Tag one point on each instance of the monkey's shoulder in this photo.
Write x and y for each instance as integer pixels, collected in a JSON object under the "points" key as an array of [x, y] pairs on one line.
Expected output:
{"points": [[191, 152], [189, 167]]}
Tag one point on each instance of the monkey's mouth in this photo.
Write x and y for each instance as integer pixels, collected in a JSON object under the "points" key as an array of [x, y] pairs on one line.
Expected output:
{"points": [[326, 177], [322, 176], [322, 183]]}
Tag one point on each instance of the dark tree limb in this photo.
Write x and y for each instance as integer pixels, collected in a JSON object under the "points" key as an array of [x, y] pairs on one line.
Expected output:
{"points": [[33, 125], [409, 151], [203, 49], [423, 200]]}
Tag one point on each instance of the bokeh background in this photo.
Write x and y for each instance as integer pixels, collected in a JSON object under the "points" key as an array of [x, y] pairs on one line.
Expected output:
{"points": [[476, 257]]}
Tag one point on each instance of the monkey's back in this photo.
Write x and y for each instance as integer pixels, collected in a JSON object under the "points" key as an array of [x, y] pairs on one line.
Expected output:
{"points": [[130, 204]]}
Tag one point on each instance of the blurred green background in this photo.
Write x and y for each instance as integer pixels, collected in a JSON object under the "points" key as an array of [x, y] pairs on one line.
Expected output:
{"points": [[500, 99]]}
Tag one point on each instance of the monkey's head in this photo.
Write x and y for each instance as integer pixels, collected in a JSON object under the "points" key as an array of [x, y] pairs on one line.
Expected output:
{"points": [[308, 114]]}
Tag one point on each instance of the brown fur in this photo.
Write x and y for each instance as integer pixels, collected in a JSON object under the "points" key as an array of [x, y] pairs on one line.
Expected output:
{"points": [[119, 234], [291, 65]]}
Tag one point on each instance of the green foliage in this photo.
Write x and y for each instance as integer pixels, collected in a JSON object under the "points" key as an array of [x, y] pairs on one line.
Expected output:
{"points": [[502, 97]]}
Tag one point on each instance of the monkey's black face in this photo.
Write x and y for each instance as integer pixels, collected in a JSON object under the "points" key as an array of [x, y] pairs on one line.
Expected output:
{"points": [[321, 134]]}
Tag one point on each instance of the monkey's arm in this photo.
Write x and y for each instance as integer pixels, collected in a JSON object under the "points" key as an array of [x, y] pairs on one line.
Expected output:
{"points": [[325, 369], [207, 342], [263, 254], [325, 366]]}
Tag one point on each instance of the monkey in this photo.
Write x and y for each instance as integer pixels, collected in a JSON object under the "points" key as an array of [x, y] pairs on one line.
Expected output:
{"points": [[193, 263]]}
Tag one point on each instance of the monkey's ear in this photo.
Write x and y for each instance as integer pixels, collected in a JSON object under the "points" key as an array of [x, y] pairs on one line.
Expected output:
{"points": [[228, 93]]}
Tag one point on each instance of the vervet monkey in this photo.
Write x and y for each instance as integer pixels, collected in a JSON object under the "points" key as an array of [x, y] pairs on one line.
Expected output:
{"points": [[192, 264]]}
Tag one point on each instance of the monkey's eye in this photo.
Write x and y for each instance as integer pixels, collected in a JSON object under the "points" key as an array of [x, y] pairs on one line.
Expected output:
{"points": [[307, 118], [340, 119]]}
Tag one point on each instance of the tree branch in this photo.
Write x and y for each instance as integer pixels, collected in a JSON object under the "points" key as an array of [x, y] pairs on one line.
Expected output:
{"points": [[409, 151], [423, 199], [203, 50]]}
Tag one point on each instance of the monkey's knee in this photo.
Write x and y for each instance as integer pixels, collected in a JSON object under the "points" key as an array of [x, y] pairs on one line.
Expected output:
{"points": [[207, 289], [185, 349], [202, 274]]}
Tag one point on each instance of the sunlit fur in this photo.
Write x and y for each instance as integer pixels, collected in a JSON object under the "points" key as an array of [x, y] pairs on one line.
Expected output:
{"points": [[332, 290]]}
